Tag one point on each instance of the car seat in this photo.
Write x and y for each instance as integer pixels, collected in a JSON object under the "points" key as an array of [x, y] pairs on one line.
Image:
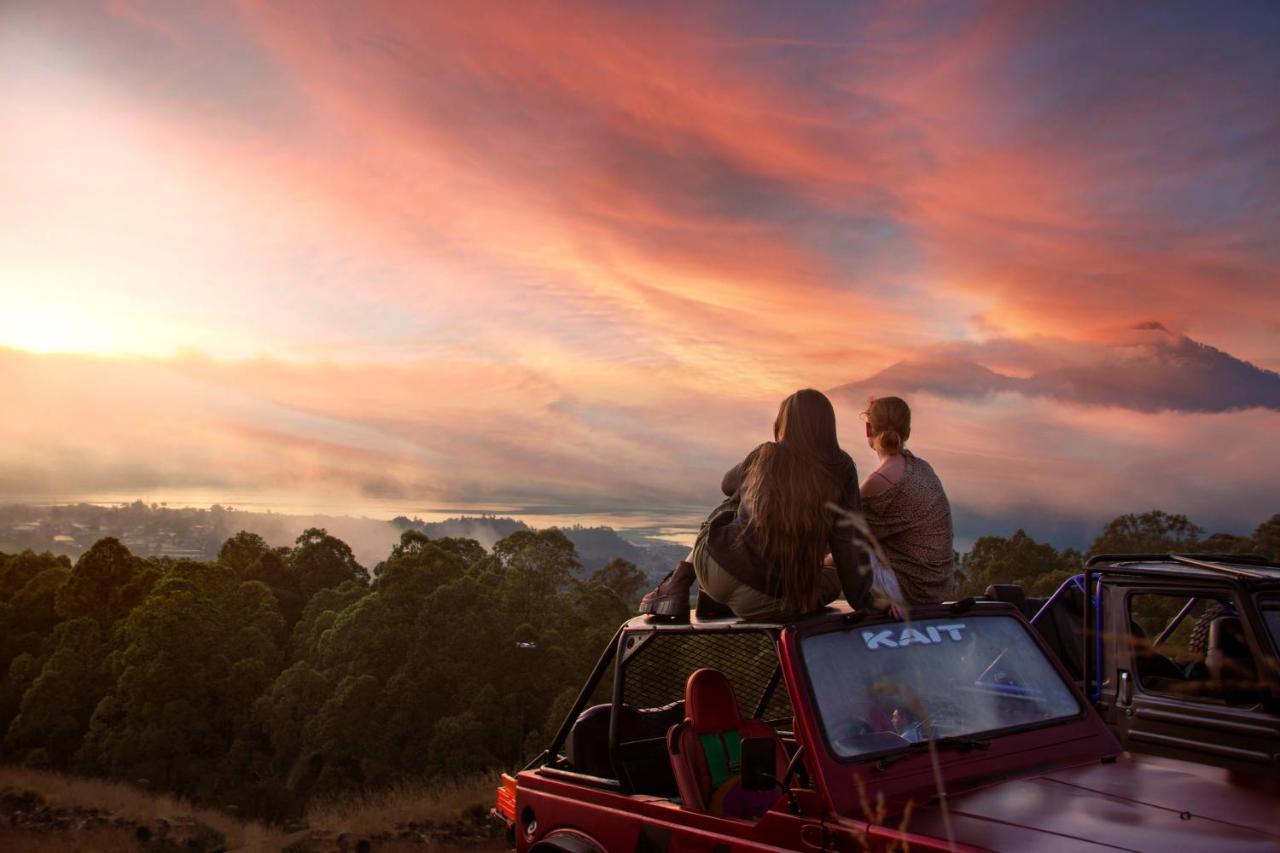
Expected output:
{"points": [[1228, 658], [706, 749], [1011, 593], [1155, 671], [587, 747], [641, 735]]}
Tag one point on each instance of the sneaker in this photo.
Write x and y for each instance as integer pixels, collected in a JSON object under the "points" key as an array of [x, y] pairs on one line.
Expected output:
{"points": [[670, 598]]}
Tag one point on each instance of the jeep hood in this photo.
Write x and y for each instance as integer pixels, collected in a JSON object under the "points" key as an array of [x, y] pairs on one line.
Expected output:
{"points": [[1135, 803]]}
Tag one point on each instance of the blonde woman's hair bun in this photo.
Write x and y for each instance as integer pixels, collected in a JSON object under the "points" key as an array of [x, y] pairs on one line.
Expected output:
{"points": [[890, 419]]}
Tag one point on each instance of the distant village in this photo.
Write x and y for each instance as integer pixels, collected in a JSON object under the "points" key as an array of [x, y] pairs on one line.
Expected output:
{"points": [[157, 530], [151, 530]]}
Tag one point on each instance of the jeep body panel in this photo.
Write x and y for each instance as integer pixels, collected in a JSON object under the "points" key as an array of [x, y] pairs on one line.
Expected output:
{"points": [[617, 822], [1137, 803]]}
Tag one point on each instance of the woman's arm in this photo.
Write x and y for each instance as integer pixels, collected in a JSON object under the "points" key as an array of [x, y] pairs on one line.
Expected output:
{"points": [[853, 565], [733, 478]]}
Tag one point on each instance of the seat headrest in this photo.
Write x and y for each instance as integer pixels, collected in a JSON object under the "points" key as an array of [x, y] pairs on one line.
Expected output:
{"points": [[587, 746], [709, 702], [1008, 592], [1226, 633]]}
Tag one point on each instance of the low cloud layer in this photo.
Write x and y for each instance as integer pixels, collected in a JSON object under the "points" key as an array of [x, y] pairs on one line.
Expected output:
{"points": [[1149, 370], [423, 436]]}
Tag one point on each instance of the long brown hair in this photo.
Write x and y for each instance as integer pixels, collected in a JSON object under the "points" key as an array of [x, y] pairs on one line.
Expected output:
{"points": [[787, 489]]}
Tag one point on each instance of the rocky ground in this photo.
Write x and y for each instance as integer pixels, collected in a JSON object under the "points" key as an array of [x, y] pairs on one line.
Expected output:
{"points": [[30, 822]]}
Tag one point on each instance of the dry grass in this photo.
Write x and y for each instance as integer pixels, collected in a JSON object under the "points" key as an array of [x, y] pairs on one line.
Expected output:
{"points": [[384, 810], [366, 815], [119, 798], [132, 803]]}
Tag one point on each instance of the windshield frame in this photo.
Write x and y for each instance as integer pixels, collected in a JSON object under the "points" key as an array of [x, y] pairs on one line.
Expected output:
{"points": [[1083, 706]]}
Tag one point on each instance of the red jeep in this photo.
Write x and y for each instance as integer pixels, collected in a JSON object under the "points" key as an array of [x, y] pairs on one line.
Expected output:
{"points": [[851, 731]]}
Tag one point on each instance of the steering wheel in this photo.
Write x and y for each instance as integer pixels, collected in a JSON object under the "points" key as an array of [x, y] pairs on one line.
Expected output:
{"points": [[947, 716], [855, 729], [795, 767], [858, 726]]}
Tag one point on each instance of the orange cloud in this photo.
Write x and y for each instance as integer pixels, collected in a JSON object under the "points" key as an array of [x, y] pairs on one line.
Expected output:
{"points": [[420, 241]]}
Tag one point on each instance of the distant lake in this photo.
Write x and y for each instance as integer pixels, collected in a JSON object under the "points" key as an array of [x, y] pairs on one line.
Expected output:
{"points": [[675, 524]]}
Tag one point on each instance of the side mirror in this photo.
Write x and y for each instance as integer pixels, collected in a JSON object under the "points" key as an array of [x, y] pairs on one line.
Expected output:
{"points": [[759, 764]]}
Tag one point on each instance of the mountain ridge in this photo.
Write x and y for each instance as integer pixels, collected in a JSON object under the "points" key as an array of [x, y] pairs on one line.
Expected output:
{"points": [[1162, 372]]}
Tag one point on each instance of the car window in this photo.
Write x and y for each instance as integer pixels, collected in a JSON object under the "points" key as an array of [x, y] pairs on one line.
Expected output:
{"points": [[1189, 646], [1151, 614], [879, 689], [1271, 613]]}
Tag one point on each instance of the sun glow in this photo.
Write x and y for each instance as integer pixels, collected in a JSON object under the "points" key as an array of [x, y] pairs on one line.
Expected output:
{"points": [[49, 326]]}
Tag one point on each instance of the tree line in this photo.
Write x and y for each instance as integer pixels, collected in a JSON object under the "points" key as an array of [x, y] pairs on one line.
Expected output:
{"points": [[272, 675], [1040, 568]]}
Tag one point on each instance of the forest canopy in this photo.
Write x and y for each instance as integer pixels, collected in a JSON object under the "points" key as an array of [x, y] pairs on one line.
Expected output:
{"points": [[269, 675], [274, 674]]}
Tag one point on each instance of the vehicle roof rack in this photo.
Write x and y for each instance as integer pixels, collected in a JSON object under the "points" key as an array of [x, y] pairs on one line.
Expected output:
{"points": [[1226, 564], [1239, 559]]}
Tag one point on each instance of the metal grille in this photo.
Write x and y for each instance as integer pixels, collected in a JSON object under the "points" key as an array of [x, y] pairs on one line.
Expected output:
{"points": [[655, 675]]}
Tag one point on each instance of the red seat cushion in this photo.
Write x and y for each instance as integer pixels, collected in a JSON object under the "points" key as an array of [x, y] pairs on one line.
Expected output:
{"points": [[712, 718]]}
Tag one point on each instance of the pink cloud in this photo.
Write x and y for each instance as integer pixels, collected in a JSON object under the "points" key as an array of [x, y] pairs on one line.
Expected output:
{"points": [[428, 246]]}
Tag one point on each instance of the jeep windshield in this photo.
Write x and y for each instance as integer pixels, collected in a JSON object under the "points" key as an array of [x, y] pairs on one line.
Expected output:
{"points": [[880, 689]]}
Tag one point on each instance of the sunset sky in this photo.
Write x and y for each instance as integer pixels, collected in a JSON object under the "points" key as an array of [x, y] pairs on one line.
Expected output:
{"points": [[396, 256]]}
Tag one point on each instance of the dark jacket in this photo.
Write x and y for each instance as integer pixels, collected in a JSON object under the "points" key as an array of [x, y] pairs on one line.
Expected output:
{"points": [[730, 549]]}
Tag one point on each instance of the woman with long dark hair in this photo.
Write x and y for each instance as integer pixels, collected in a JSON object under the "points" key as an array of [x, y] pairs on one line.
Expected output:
{"points": [[761, 552]]}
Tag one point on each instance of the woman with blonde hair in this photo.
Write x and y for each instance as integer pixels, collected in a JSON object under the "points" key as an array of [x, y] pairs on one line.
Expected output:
{"points": [[761, 551], [906, 507]]}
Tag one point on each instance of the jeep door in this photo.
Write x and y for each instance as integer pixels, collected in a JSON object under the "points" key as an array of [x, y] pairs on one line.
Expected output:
{"points": [[1159, 690]]}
